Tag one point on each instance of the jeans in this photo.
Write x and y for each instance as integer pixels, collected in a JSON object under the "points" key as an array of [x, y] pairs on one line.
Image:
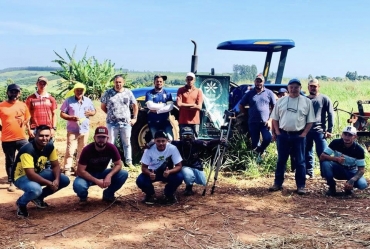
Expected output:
{"points": [[321, 144], [331, 170], [124, 131], [9, 149], [173, 182], [255, 129], [164, 126], [294, 145], [81, 186], [74, 140], [192, 176], [33, 190], [194, 127]]}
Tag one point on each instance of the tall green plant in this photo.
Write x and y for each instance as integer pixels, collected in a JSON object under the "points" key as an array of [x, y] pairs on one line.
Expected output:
{"points": [[96, 76]]}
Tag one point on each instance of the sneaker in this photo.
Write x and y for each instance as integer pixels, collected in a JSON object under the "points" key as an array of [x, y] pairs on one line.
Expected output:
{"points": [[39, 203], [331, 191], [189, 190], [275, 187], [168, 200], [301, 191], [82, 202], [22, 211], [11, 187], [149, 199], [111, 199]]}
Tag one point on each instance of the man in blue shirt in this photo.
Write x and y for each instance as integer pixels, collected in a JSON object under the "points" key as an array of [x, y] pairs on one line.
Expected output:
{"points": [[160, 104], [260, 102]]}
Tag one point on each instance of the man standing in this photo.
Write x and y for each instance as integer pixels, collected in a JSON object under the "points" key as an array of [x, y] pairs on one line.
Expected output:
{"points": [[14, 117], [157, 165], [323, 110], [190, 101], [191, 151], [92, 168], [344, 159], [116, 102], [260, 101], [30, 174], [76, 110], [42, 108], [160, 104], [292, 118]]}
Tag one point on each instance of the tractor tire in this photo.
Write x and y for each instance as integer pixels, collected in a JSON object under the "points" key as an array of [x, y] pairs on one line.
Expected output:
{"points": [[141, 135]]}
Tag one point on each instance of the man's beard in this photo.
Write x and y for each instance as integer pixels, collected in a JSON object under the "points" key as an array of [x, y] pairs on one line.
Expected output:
{"points": [[99, 145], [12, 98]]}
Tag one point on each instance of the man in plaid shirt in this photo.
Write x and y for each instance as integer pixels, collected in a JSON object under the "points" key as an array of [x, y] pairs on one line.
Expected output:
{"points": [[42, 107]]}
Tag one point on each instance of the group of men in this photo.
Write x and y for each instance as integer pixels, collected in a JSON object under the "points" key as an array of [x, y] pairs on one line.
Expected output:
{"points": [[36, 163], [296, 122]]}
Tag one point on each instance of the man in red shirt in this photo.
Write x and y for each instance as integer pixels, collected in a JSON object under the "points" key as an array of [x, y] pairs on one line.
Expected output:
{"points": [[42, 107], [190, 101]]}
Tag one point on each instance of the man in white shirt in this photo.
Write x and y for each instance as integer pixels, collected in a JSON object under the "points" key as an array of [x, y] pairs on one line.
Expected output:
{"points": [[161, 162]]}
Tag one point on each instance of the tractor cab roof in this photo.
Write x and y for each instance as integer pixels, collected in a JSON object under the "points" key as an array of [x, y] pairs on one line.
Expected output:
{"points": [[257, 45]]}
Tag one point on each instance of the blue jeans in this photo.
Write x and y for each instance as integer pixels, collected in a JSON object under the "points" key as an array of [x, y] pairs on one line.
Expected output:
{"points": [[124, 131], [295, 146], [81, 186], [192, 176], [331, 170], [164, 126], [9, 149], [255, 129], [33, 190], [173, 182], [320, 143]]}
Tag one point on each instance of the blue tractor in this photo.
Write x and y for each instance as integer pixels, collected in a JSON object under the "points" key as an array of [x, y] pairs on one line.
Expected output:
{"points": [[220, 93]]}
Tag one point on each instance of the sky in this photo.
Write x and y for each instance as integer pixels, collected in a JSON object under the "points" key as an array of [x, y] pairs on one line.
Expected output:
{"points": [[331, 36]]}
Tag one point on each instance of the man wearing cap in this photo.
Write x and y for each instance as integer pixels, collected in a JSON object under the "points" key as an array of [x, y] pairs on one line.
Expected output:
{"points": [[292, 118], [190, 101], [321, 128], [260, 101], [42, 107], [282, 92], [92, 168], [191, 151], [344, 159], [160, 104], [30, 172], [161, 162], [77, 110], [116, 103], [14, 116]]}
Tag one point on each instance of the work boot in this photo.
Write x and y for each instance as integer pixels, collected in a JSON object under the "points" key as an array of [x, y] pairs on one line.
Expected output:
{"points": [[188, 190], [331, 191], [11, 187]]}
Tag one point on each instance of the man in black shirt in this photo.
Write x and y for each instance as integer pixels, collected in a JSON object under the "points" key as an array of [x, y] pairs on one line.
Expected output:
{"points": [[344, 159]]}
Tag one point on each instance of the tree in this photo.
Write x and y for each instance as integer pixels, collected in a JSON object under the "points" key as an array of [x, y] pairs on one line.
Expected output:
{"points": [[351, 75], [96, 76]]}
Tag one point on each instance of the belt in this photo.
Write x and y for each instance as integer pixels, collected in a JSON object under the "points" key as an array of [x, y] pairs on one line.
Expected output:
{"points": [[291, 132]]}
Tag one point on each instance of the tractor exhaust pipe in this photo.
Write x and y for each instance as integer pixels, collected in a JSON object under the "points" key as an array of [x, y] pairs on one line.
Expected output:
{"points": [[194, 59]]}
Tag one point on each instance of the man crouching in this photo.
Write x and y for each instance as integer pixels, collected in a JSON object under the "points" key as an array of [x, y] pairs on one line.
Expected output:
{"points": [[157, 165], [29, 172]]}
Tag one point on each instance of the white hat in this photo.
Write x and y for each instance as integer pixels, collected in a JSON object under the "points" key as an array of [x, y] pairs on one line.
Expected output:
{"points": [[350, 129], [190, 74]]}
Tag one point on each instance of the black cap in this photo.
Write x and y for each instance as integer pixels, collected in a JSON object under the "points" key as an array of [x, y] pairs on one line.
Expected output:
{"points": [[160, 134], [13, 87], [187, 131], [164, 77]]}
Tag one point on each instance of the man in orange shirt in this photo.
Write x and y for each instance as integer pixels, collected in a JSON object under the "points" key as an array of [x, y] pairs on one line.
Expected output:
{"points": [[190, 101], [14, 117]]}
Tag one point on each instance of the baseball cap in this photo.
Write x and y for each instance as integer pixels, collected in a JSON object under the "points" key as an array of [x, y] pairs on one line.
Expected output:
{"points": [[42, 78], [294, 80], [190, 74], [164, 77], [160, 134], [313, 82], [350, 129], [13, 87], [260, 76], [187, 131], [101, 131], [282, 90]]}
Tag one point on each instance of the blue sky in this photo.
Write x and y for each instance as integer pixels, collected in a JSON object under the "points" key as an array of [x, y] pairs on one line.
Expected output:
{"points": [[331, 36]]}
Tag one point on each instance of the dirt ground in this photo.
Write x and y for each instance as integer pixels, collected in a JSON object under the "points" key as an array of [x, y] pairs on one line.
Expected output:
{"points": [[240, 214]]}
